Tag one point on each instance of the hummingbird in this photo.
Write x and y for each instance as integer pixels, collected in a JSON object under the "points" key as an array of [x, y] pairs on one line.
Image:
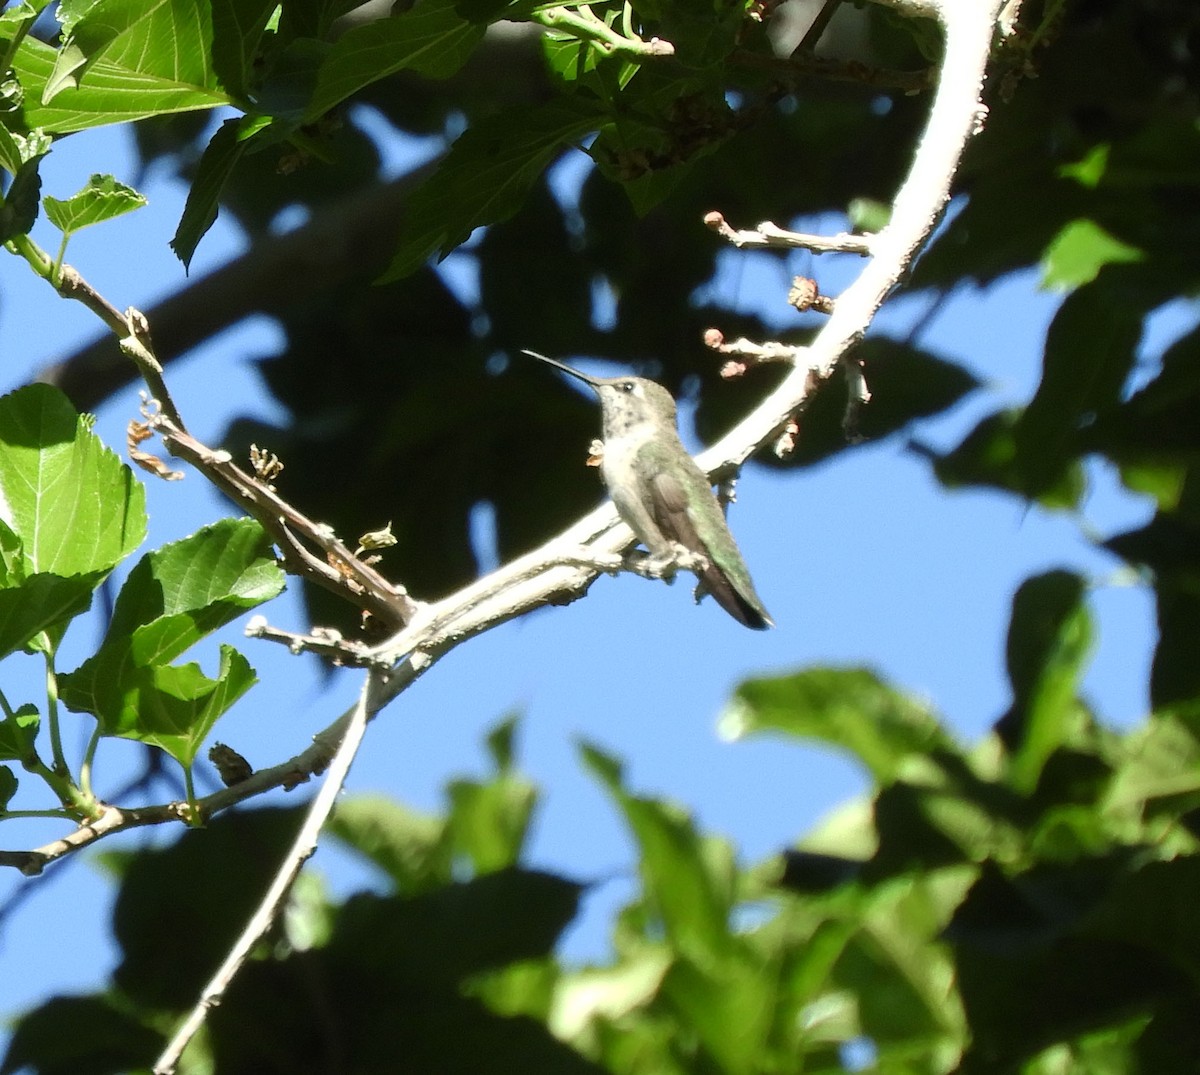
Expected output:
{"points": [[663, 495]]}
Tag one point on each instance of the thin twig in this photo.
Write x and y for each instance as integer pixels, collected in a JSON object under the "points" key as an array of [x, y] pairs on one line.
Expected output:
{"points": [[298, 854], [341, 572], [767, 234]]}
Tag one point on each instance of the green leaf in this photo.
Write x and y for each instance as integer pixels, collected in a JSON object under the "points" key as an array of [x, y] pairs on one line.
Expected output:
{"points": [[112, 93], [23, 10], [238, 28], [209, 46], [19, 207], [104, 198], [175, 707], [1091, 347], [174, 597], [168, 706], [311, 18], [411, 848], [72, 512], [1079, 251], [688, 879], [489, 821], [39, 603], [101, 1026], [76, 507], [10, 152], [18, 733], [8, 786], [220, 156], [187, 589], [1048, 641], [849, 708], [429, 38], [485, 177], [989, 456]]}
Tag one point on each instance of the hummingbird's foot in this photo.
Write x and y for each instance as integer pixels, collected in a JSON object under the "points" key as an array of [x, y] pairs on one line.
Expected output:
{"points": [[687, 560], [665, 563], [658, 566]]}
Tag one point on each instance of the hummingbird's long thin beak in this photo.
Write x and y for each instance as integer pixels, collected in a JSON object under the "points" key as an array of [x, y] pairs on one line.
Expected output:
{"points": [[562, 366]]}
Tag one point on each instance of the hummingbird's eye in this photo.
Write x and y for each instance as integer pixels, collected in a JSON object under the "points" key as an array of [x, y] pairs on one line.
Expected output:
{"points": [[627, 386]]}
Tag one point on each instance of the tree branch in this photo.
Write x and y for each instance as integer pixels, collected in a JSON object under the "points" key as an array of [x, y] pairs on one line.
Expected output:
{"points": [[298, 854]]}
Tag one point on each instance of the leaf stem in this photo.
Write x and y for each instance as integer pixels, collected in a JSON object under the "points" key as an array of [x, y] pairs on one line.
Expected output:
{"points": [[85, 767], [587, 26], [9, 815], [60, 767], [195, 816], [56, 268], [38, 259]]}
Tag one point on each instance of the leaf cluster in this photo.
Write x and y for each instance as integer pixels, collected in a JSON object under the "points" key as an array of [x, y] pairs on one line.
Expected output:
{"points": [[72, 513], [1023, 905]]}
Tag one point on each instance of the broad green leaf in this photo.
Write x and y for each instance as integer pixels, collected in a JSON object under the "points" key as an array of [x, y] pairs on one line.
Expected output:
{"points": [[8, 786], [23, 10], [730, 1006], [688, 878], [489, 821], [902, 979], [1079, 251], [311, 18], [76, 507], [220, 156], [175, 707], [1161, 774], [174, 597], [196, 43], [485, 177], [18, 732], [411, 848], [178, 594], [238, 29], [991, 454], [1048, 641], [100, 1024], [110, 94], [10, 153], [38, 603], [104, 198], [429, 38], [70, 510], [849, 708], [19, 205], [1091, 347]]}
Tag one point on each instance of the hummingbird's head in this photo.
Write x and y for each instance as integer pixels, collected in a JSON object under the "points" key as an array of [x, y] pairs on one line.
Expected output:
{"points": [[626, 402], [629, 402]]}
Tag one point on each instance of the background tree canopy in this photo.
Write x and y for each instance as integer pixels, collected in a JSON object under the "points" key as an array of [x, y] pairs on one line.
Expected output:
{"points": [[1022, 904]]}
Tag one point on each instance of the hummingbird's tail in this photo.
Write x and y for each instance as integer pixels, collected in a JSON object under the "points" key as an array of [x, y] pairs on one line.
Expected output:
{"points": [[746, 610]]}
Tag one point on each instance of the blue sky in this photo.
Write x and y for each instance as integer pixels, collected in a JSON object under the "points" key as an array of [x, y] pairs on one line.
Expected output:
{"points": [[862, 560]]}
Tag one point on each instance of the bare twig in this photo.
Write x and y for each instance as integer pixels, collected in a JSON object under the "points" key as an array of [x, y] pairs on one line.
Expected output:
{"points": [[803, 64], [767, 234], [341, 572], [298, 854]]}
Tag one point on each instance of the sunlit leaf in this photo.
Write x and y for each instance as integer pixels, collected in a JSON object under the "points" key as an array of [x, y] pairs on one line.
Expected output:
{"points": [[104, 198]]}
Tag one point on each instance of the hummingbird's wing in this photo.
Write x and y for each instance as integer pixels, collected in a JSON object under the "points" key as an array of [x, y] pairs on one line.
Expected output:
{"points": [[697, 522]]}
